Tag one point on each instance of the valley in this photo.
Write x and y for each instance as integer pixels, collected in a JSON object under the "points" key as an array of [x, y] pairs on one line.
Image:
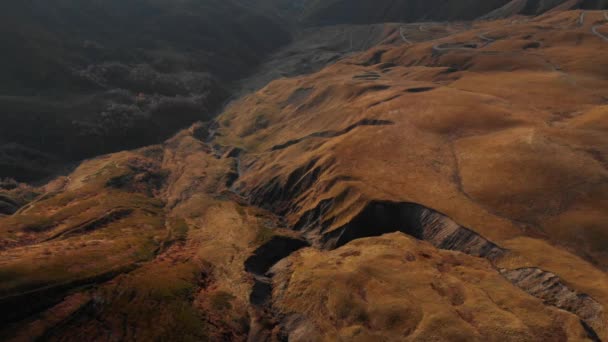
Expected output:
{"points": [[380, 178]]}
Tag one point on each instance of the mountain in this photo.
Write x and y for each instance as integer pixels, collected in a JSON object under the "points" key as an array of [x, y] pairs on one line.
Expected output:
{"points": [[536, 7], [314, 12], [364, 11], [82, 78], [447, 182]]}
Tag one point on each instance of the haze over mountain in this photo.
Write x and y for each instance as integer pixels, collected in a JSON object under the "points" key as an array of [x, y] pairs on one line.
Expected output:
{"points": [[304, 170], [81, 78]]}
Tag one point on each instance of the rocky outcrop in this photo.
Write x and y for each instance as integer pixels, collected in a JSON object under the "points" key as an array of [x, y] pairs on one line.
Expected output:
{"points": [[277, 248], [263, 258], [381, 217], [381, 288], [550, 288]]}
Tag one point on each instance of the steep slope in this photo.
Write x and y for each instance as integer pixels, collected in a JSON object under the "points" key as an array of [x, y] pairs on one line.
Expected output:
{"points": [[449, 183], [482, 126], [412, 292]]}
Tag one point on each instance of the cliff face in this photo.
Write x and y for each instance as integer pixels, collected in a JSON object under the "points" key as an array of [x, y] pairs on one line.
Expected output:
{"points": [[449, 182]]}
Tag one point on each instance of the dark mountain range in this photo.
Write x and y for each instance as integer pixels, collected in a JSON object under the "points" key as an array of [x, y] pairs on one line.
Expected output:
{"points": [[81, 78]]}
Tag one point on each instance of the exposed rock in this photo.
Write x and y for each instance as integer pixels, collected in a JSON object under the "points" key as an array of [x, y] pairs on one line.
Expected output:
{"points": [[379, 218], [550, 288], [272, 252], [395, 288]]}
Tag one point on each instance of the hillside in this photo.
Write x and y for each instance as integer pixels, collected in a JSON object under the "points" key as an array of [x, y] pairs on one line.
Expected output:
{"points": [[83, 78], [450, 182]]}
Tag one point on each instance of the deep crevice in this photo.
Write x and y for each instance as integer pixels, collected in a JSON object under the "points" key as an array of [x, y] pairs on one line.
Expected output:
{"points": [[382, 217], [258, 264], [590, 332], [277, 248], [550, 288]]}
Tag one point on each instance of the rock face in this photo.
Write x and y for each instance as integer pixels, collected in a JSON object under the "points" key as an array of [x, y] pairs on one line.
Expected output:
{"points": [[272, 252], [398, 289], [447, 183], [548, 287], [415, 220]]}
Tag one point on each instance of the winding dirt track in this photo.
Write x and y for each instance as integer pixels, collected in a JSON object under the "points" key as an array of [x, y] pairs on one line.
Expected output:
{"points": [[595, 27], [486, 39]]}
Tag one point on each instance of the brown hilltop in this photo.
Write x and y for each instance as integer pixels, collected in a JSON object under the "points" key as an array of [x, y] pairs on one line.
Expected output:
{"points": [[477, 150]]}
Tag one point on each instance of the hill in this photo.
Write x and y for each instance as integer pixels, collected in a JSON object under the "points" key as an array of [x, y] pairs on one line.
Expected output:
{"points": [[450, 182], [82, 78]]}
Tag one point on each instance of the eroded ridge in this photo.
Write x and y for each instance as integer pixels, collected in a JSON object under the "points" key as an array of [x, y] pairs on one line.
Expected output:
{"points": [[550, 288], [383, 217]]}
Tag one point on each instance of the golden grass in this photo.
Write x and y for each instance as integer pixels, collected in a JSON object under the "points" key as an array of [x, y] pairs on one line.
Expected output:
{"points": [[396, 288], [508, 143]]}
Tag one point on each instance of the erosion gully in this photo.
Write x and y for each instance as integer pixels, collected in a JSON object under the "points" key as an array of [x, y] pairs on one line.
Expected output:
{"points": [[378, 217]]}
